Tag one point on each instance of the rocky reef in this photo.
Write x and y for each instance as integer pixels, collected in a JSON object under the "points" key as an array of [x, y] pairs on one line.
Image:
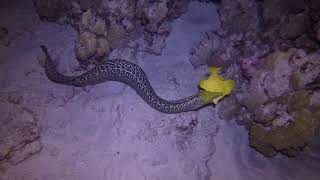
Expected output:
{"points": [[104, 24], [272, 51]]}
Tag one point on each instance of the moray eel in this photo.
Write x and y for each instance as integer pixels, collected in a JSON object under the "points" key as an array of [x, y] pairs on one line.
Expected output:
{"points": [[132, 75]]}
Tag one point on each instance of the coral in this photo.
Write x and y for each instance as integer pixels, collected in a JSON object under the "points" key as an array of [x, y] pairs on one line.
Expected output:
{"points": [[295, 27], [261, 26], [279, 101], [246, 13], [292, 138], [102, 47], [87, 4], [4, 36], [54, 9], [318, 34], [120, 17], [176, 7], [106, 24], [277, 73], [247, 67], [157, 41], [229, 109], [272, 53], [87, 46], [93, 43], [285, 120], [203, 50], [307, 70], [269, 82], [154, 14], [92, 23]]}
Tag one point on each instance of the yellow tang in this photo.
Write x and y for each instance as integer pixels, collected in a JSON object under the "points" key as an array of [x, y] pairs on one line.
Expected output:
{"points": [[217, 84]]}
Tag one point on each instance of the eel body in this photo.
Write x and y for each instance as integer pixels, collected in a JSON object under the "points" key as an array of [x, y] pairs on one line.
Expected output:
{"points": [[127, 73]]}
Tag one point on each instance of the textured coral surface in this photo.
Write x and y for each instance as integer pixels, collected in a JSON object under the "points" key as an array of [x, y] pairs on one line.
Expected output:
{"points": [[273, 54]]}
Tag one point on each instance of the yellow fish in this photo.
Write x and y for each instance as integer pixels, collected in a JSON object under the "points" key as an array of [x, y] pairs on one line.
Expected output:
{"points": [[217, 84]]}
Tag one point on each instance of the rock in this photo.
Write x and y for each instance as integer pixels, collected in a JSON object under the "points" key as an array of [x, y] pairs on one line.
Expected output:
{"points": [[305, 42], [273, 11], [314, 6], [93, 43], [315, 99], [115, 34], [288, 140], [114, 21], [18, 129], [270, 51], [296, 6], [128, 25], [248, 67], [307, 71], [103, 48], [246, 13], [298, 101], [229, 108], [176, 7], [277, 66], [285, 21], [27, 151], [164, 29], [316, 28], [86, 20], [52, 9], [156, 44], [87, 4], [4, 36], [284, 118], [87, 45], [271, 81], [99, 27], [93, 23], [153, 14], [295, 27], [202, 52], [113, 10]]}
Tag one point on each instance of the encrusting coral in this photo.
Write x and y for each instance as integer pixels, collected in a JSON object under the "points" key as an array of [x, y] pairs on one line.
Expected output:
{"points": [[286, 117], [272, 53], [295, 135]]}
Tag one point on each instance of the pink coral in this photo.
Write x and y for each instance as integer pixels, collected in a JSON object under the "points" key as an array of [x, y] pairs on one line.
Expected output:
{"points": [[247, 67]]}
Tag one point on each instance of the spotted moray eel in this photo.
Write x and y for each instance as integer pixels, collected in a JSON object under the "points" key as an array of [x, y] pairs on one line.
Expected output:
{"points": [[130, 74]]}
